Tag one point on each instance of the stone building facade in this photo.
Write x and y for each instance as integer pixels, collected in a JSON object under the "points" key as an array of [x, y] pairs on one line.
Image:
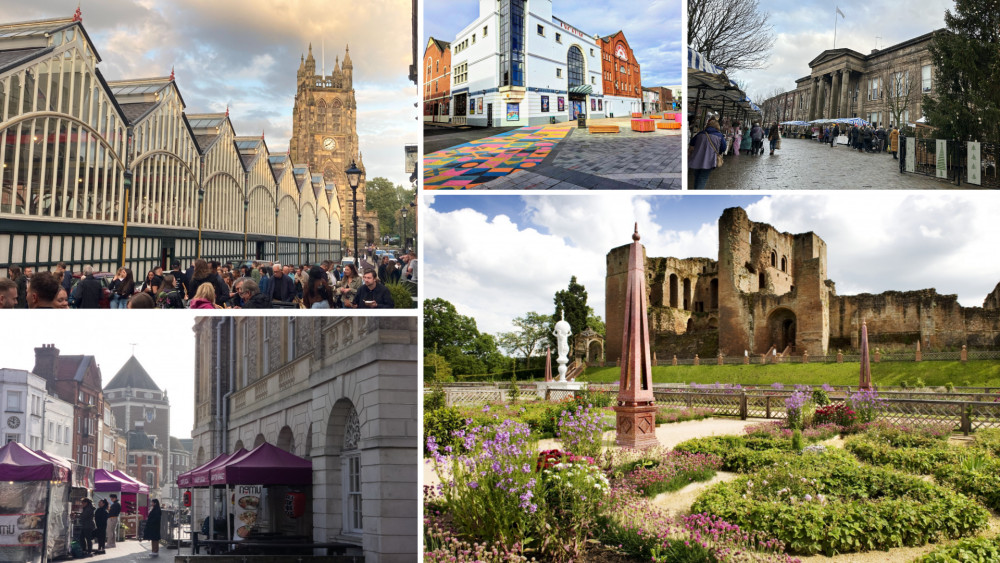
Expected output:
{"points": [[76, 379], [621, 74], [885, 86], [769, 290], [341, 392], [325, 138]]}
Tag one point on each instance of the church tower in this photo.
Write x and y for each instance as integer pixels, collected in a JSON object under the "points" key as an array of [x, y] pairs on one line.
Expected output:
{"points": [[325, 138]]}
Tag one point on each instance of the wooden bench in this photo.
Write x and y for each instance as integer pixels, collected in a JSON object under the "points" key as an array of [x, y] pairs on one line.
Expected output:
{"points": [[636, 115], [603, 129], [656, 117], [643, 125], [668, 125]]}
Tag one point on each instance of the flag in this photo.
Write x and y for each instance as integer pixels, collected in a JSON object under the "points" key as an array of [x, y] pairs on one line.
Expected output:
{"points": [[841, 13]]}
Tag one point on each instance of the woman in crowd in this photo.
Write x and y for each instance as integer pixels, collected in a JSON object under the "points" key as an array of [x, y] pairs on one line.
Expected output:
{"points": [[348, 285], [151, 284], [141, 301], [204, 297], [204, 273], [122, 287], [152, 530], [317, 294], [101, 519], [87, 526], [705, 153], [170, 296]]}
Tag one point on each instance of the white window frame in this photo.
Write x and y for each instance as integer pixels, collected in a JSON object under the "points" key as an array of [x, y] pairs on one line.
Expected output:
{"points": [[16, 406], [351, 490], [926, 83], [290, 348], [558, 73], [541, 30]]}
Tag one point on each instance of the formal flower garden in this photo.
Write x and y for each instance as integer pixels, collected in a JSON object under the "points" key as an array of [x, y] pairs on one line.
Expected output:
{"points": [[834, 477]]}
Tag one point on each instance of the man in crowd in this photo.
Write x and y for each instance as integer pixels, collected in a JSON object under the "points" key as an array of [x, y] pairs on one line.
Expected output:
{"points": [[282, 287], [8, 293], [410, 271], [42, 291], [251, 296], [372, 294], [88, 290], [180, 278], [64, 276]]}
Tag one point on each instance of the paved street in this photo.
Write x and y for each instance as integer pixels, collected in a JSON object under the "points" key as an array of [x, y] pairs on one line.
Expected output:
{"points": [[803, 164], [437, 138], [130, 550], [578, 160]]}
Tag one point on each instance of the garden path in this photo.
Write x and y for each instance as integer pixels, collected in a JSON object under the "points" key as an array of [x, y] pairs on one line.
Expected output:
{"points": [[678, 503]]}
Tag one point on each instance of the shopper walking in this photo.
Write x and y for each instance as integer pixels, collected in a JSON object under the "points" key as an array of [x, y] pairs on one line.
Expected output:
{"points": [[705, 153]]}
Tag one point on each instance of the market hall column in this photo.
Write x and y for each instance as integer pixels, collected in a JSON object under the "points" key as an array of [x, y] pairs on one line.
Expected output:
{"points": [[834, 93], [811, 112], [845, 92]]}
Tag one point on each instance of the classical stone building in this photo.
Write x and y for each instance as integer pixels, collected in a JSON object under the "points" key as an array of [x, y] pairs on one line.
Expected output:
{"points": [[325, 138], [341, 392], [885, 86], [769, 290]]}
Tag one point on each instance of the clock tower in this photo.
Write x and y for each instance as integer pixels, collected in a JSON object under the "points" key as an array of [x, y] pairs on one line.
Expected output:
{"points": [[325, 138]]}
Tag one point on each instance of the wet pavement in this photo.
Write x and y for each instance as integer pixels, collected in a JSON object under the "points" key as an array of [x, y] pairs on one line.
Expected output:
{"points": [[803, 164], [581, 160]]}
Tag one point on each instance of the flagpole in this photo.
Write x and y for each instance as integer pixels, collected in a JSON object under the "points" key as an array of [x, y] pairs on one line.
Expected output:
{"points": [[835, 26]]}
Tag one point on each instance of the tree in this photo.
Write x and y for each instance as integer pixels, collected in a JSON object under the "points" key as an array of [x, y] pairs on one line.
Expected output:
{"points": [[594, 322], [436, 368], [967, 79], [733, 35], [457, 339], [386, 199], [896, 87], [572, 301], [533, 328]]}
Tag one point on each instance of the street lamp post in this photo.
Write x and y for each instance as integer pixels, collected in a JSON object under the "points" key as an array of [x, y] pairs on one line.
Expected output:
{"points": [[353, 178], [246, 227], [403, 213], [201, 202], [276, 233]]}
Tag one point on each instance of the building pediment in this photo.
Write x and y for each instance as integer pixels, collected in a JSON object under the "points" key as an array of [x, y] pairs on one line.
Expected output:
{"points": [[831, 55]]}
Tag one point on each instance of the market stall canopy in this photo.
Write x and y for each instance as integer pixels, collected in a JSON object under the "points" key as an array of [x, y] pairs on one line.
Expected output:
{"points": [[107, 482], [143, 487], [18, 463], [264, 465], [201, 476], [712, 88]]}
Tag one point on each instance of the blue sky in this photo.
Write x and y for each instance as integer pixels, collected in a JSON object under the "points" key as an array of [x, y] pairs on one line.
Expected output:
{"points": [[496, 257], [245, 54], [804, 29], [653, 29]]}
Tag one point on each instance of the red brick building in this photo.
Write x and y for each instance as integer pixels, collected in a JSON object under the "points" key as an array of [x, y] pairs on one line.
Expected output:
{"points": [[144, 460], [621, 73], [76, 380], [437, 80]]}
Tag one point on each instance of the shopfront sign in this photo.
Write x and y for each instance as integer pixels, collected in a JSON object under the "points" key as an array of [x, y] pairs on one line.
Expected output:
{"points": [[246, 502]]}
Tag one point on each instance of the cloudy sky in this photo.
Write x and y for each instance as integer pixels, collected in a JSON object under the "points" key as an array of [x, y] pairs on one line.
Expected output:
{"points": [[653, 28], [875, 242], [245, 53], [804, 29], [164, 345]]}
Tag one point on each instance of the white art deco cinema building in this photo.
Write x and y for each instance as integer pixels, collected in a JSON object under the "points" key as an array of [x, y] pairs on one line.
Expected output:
{"points": [[518, 65]]}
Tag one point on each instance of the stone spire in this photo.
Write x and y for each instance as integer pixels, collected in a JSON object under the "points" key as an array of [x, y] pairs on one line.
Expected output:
{"points": [[310, 67], [347, 58], [635, 413]]}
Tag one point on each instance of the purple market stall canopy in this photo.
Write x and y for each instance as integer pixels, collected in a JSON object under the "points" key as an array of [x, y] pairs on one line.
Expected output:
{"points": [[18, 463], [143, 488], [264, 465], [200, 476]]}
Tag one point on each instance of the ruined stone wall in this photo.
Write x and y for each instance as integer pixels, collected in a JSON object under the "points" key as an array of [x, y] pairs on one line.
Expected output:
{"points": [[737, 278], [992, 300]]}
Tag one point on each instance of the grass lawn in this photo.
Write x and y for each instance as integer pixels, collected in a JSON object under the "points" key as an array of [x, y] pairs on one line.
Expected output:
{"points": [[973, 373]]}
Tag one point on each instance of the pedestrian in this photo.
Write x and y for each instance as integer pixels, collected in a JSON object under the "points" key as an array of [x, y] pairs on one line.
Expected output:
{"points": [[836, 133], [705, 153], [122, 287], [383, 269], [894, 142], [251, 296], [88, 290], [265, 280], [737, 138], [410, 271], [204, 297], [65, 276], [774, 136], [62, 300], [282, 287], [113, 513], [101, 520], [372, 294], [21, 281], [317, 293], [42, 291], [181, 280], [348, 285], [204, 273], [151, 284], [170, 296], [152, 531], [87, 527], [141, 301], [757, 139], [8, 293]]}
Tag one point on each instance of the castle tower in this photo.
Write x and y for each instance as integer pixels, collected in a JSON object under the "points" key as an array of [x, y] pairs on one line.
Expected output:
{"points": [[325, 138]]}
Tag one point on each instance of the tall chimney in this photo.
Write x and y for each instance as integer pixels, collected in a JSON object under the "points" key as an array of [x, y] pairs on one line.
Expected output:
{"points": [[45, 362]]}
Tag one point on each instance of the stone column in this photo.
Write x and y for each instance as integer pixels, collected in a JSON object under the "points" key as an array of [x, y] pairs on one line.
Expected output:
{"points": [[821, 99], [845, 96], [811, 109], [834, 93]]}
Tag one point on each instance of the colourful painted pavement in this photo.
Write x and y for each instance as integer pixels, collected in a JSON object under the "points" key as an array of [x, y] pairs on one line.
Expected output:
{"points": [[468, 165]]}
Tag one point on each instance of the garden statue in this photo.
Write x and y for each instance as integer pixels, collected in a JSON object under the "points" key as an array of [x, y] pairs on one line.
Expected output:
{"points": [[562, 334]]}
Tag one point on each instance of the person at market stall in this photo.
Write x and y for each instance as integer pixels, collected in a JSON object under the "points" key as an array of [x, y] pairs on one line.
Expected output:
{"points": [[87, 527], [113, 512], [152, 531], [101, 519]]}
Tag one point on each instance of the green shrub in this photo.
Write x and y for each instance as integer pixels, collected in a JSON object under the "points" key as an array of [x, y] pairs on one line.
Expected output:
{"points": [[988, 439], [820, 397], [797, 440], [401, 296], [971, 550], [434, 399], [949, 387], [829, 504], [980, 480], [440, 423], [905, 435], [911, 460]]}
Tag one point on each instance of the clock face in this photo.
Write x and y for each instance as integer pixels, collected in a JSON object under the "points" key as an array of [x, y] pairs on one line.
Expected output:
{"points": [[329, 143], [13, 422], [620, 52]]}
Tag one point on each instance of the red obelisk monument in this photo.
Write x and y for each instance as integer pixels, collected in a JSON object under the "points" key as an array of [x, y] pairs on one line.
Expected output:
{"points": [[635, 413]]}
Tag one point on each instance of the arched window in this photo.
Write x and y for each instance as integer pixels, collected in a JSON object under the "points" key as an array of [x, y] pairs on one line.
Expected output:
{"points": [[774, 259], [351, 457], [784, 264], [574, 62], [761, 281]]}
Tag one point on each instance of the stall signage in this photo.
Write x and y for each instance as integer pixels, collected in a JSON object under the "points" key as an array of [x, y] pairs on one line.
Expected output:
{"points": [[974, 163], [22, 529], [942, 158], [246, 501], [911, 153]]}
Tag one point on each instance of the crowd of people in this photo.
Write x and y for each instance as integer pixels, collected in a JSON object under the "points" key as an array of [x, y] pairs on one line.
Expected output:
{"points": [[213, 285], [708, 146], [863, 138], [98, 526]]}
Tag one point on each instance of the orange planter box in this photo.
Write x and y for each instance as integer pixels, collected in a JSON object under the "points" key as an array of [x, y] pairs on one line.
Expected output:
{"points": [[656, 117], [668, 125], [636, 115], [643, 125]]}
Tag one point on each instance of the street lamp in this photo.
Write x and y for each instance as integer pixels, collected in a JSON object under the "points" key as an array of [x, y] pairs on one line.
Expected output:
{"points": [[246, 227], [201, 202], [276, 233], [353, 179], [403, 213]]}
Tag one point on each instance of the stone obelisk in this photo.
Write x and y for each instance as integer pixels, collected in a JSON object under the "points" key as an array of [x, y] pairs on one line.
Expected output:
{"points": [[635, 412]]}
